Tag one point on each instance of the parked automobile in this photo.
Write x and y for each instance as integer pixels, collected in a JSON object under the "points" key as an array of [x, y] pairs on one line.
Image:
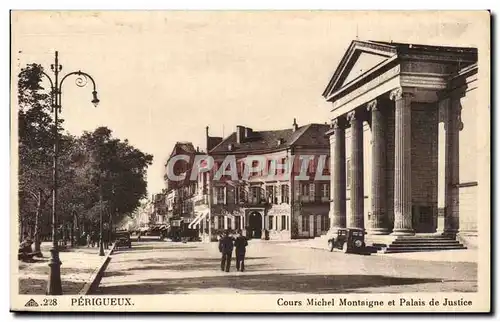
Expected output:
{"points": [[123, 239], [349, 240]]}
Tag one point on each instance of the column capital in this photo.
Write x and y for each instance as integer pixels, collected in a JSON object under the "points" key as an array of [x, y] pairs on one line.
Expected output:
{"points": [[372, 105], [353, 116], [401, 92], [338, 123]]}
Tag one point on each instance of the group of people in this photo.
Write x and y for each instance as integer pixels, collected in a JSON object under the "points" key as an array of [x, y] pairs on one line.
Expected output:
{"points": [[92, 238], [226, 245]]}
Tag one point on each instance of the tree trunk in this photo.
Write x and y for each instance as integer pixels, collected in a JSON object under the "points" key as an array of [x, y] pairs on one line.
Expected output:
{"points": [[72, 231], [36, 236]]}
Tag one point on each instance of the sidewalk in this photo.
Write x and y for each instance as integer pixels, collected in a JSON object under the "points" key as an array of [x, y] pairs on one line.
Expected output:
{"points": [[77, 267], [459, 255]]}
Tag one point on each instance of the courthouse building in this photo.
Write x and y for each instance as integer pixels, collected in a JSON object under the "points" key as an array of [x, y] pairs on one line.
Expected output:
{"points": [[404, 138]]}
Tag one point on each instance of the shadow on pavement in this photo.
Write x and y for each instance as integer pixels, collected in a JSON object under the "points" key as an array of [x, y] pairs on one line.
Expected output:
{"points": [[138, 248], [270, 283], [36, 286]]}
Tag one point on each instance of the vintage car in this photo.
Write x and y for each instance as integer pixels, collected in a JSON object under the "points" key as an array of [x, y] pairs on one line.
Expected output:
{"points": [[349, 240], [123, 239]]}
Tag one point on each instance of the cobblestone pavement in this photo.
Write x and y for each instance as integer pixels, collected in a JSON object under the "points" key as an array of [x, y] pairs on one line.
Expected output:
{"points": [[166, 267], [78, 264]]}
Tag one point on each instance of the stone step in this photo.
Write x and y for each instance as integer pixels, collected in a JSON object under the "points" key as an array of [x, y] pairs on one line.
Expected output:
{"points": [[404, 242], [421, 249], [425, 245], [422, 237]]}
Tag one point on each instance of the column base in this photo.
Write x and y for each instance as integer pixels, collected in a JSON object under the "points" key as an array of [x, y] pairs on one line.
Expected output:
{"points": [[450, 232], [378, 231], [403, 232]]}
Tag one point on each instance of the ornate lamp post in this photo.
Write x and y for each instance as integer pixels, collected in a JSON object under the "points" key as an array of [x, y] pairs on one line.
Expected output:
{"points": [[54, 284]]}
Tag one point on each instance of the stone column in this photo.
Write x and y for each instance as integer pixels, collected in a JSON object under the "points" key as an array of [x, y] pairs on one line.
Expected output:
{"points": [[402, 164], [357, 216], [379, 222], [452, 173], [338, 177]]}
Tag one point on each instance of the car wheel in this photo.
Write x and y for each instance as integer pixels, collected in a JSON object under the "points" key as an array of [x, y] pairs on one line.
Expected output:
{"points": [[344, 248]]}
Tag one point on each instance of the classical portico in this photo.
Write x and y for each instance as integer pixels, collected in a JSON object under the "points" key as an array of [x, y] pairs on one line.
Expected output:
{"points": [[394, 96]]}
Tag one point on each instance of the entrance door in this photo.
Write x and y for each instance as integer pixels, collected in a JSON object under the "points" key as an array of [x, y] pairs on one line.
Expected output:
{"points": [[255, 225]]}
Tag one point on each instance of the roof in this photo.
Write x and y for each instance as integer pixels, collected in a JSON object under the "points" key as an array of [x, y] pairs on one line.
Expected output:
{"points": [[307, 135], [186, 147], [386, 51]]}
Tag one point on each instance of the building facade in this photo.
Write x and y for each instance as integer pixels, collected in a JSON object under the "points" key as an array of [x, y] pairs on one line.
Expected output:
{"points": [[178, 200], [404, 138], [270, 203]]}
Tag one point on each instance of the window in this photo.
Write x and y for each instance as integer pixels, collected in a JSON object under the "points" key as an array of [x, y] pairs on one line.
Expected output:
{"points": [[219, 195], [304, 188], [285, 193], [237, 222], [312, 165], [229, 223], [220, 222], [270, 194], [283, 222], [325, 191], [305, 222], [271, 222], [325, 222]]}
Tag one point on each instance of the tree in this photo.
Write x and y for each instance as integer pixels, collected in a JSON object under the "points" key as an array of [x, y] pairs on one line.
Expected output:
{"points": [[119, 169], [35, 149], [86, 164]]}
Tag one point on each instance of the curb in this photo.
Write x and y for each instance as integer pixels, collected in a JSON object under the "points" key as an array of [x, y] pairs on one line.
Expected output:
{"points": [[94, 280]]}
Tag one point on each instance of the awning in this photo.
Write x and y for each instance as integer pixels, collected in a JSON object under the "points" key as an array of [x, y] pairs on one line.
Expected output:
{"points": [[203, 216], [194, 221], [163, 227]]}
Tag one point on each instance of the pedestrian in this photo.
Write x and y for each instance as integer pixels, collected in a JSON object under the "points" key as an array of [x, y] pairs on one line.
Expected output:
{"points": [[240, 245], [226, 249], [89, 239]]}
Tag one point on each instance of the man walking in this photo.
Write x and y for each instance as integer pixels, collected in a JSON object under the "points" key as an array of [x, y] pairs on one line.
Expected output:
{"points": [[226, 248], [240, 244]]}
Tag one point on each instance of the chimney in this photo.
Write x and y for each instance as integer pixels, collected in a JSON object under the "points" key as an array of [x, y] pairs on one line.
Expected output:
{"points": [[207, 139], [197, 149], [295, 125], [248, 133], [240, 134]]}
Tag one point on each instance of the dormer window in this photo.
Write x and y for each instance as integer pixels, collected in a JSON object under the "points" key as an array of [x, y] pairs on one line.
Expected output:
{"points": [[230, 147], [281, 141]]}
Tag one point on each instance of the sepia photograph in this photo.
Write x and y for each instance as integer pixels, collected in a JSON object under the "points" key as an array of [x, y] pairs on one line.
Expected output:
{"points": [[256, 161]]}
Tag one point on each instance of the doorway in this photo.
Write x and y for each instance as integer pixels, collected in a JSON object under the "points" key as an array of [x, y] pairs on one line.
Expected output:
{"points": [[254, 225]]}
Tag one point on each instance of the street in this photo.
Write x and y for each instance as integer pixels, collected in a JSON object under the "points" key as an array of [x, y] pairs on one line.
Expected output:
{"points": [[154, 267]]}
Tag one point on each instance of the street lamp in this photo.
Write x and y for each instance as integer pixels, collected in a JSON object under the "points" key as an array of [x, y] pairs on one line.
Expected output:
{"points": [[54, 286]]}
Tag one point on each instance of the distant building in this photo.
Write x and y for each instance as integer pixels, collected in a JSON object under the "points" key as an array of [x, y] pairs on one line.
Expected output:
{"points": [[178, 207], [264, 207]]}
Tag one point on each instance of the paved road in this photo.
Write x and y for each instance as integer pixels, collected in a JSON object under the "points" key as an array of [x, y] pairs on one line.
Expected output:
{"points": [[173, 268]]}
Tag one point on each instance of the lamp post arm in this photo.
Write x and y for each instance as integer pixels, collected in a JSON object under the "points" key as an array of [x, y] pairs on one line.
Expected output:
{"points": [[80, 82]]}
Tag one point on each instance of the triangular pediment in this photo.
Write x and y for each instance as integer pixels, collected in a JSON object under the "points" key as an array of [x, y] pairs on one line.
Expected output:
{"points": [[360, 57], [363, 63]]}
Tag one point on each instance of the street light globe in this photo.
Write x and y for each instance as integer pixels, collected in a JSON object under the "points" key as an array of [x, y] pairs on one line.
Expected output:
{"points": [[95, 100]]}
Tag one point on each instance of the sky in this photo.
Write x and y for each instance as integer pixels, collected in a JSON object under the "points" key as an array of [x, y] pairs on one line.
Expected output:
{"points": [[163, 76]]}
